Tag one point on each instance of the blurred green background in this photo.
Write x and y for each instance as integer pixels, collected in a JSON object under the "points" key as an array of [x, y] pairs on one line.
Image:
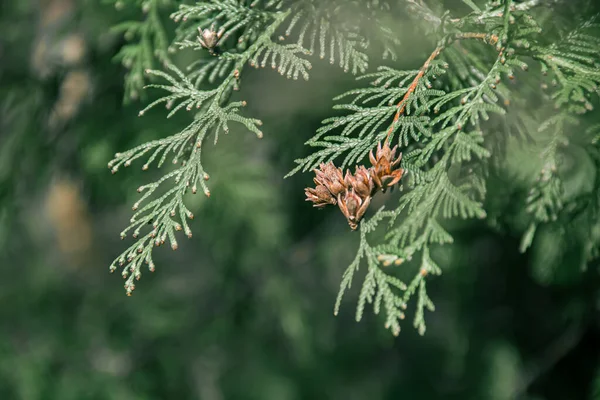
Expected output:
{"points": [[244, 310]]}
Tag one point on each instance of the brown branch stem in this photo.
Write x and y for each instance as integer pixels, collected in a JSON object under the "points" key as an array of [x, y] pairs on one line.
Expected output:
{"points": [[491, 39], [402, 104], [486, 37]]}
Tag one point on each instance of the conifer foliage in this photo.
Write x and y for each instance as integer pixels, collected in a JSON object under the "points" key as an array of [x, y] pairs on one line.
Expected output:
{"points": [[432, 130]]}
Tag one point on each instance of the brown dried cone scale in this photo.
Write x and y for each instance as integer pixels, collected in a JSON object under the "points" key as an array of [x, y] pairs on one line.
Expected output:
{"points": [[320, 196], [353, 206], [384, 164], [353, 192], [329, 183], [361, 182], [331, 177]]}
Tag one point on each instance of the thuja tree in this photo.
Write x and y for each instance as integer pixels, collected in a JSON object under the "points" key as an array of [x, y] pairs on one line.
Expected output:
{"points": [[500, 103]]}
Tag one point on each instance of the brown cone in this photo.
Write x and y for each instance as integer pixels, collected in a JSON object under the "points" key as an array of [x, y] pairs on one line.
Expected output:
{"points": [[384, 172]]}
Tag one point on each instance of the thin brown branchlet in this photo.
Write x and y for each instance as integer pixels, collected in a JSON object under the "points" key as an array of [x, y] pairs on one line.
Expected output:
{"points": [[353, 192]]}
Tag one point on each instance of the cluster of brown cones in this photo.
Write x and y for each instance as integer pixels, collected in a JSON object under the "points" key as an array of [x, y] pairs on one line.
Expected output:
{"points": [[353, 193]]}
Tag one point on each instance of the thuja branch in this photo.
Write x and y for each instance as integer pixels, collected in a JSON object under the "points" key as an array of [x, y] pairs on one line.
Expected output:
{"points": [[167, 214], [354, 192], [447, 125], [217, 22], [382, 289]]}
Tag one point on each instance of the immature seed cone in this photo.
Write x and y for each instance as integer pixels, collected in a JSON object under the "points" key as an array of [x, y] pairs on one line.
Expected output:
{"points": [[353, 206], [384, 169], [209, 37]]}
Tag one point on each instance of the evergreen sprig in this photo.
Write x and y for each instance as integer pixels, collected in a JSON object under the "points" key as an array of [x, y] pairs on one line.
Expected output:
{"points": [[572, 63], [440, 114], [438, 117], [215, 114], [234, 34], [380, 288], [148, 42]]}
